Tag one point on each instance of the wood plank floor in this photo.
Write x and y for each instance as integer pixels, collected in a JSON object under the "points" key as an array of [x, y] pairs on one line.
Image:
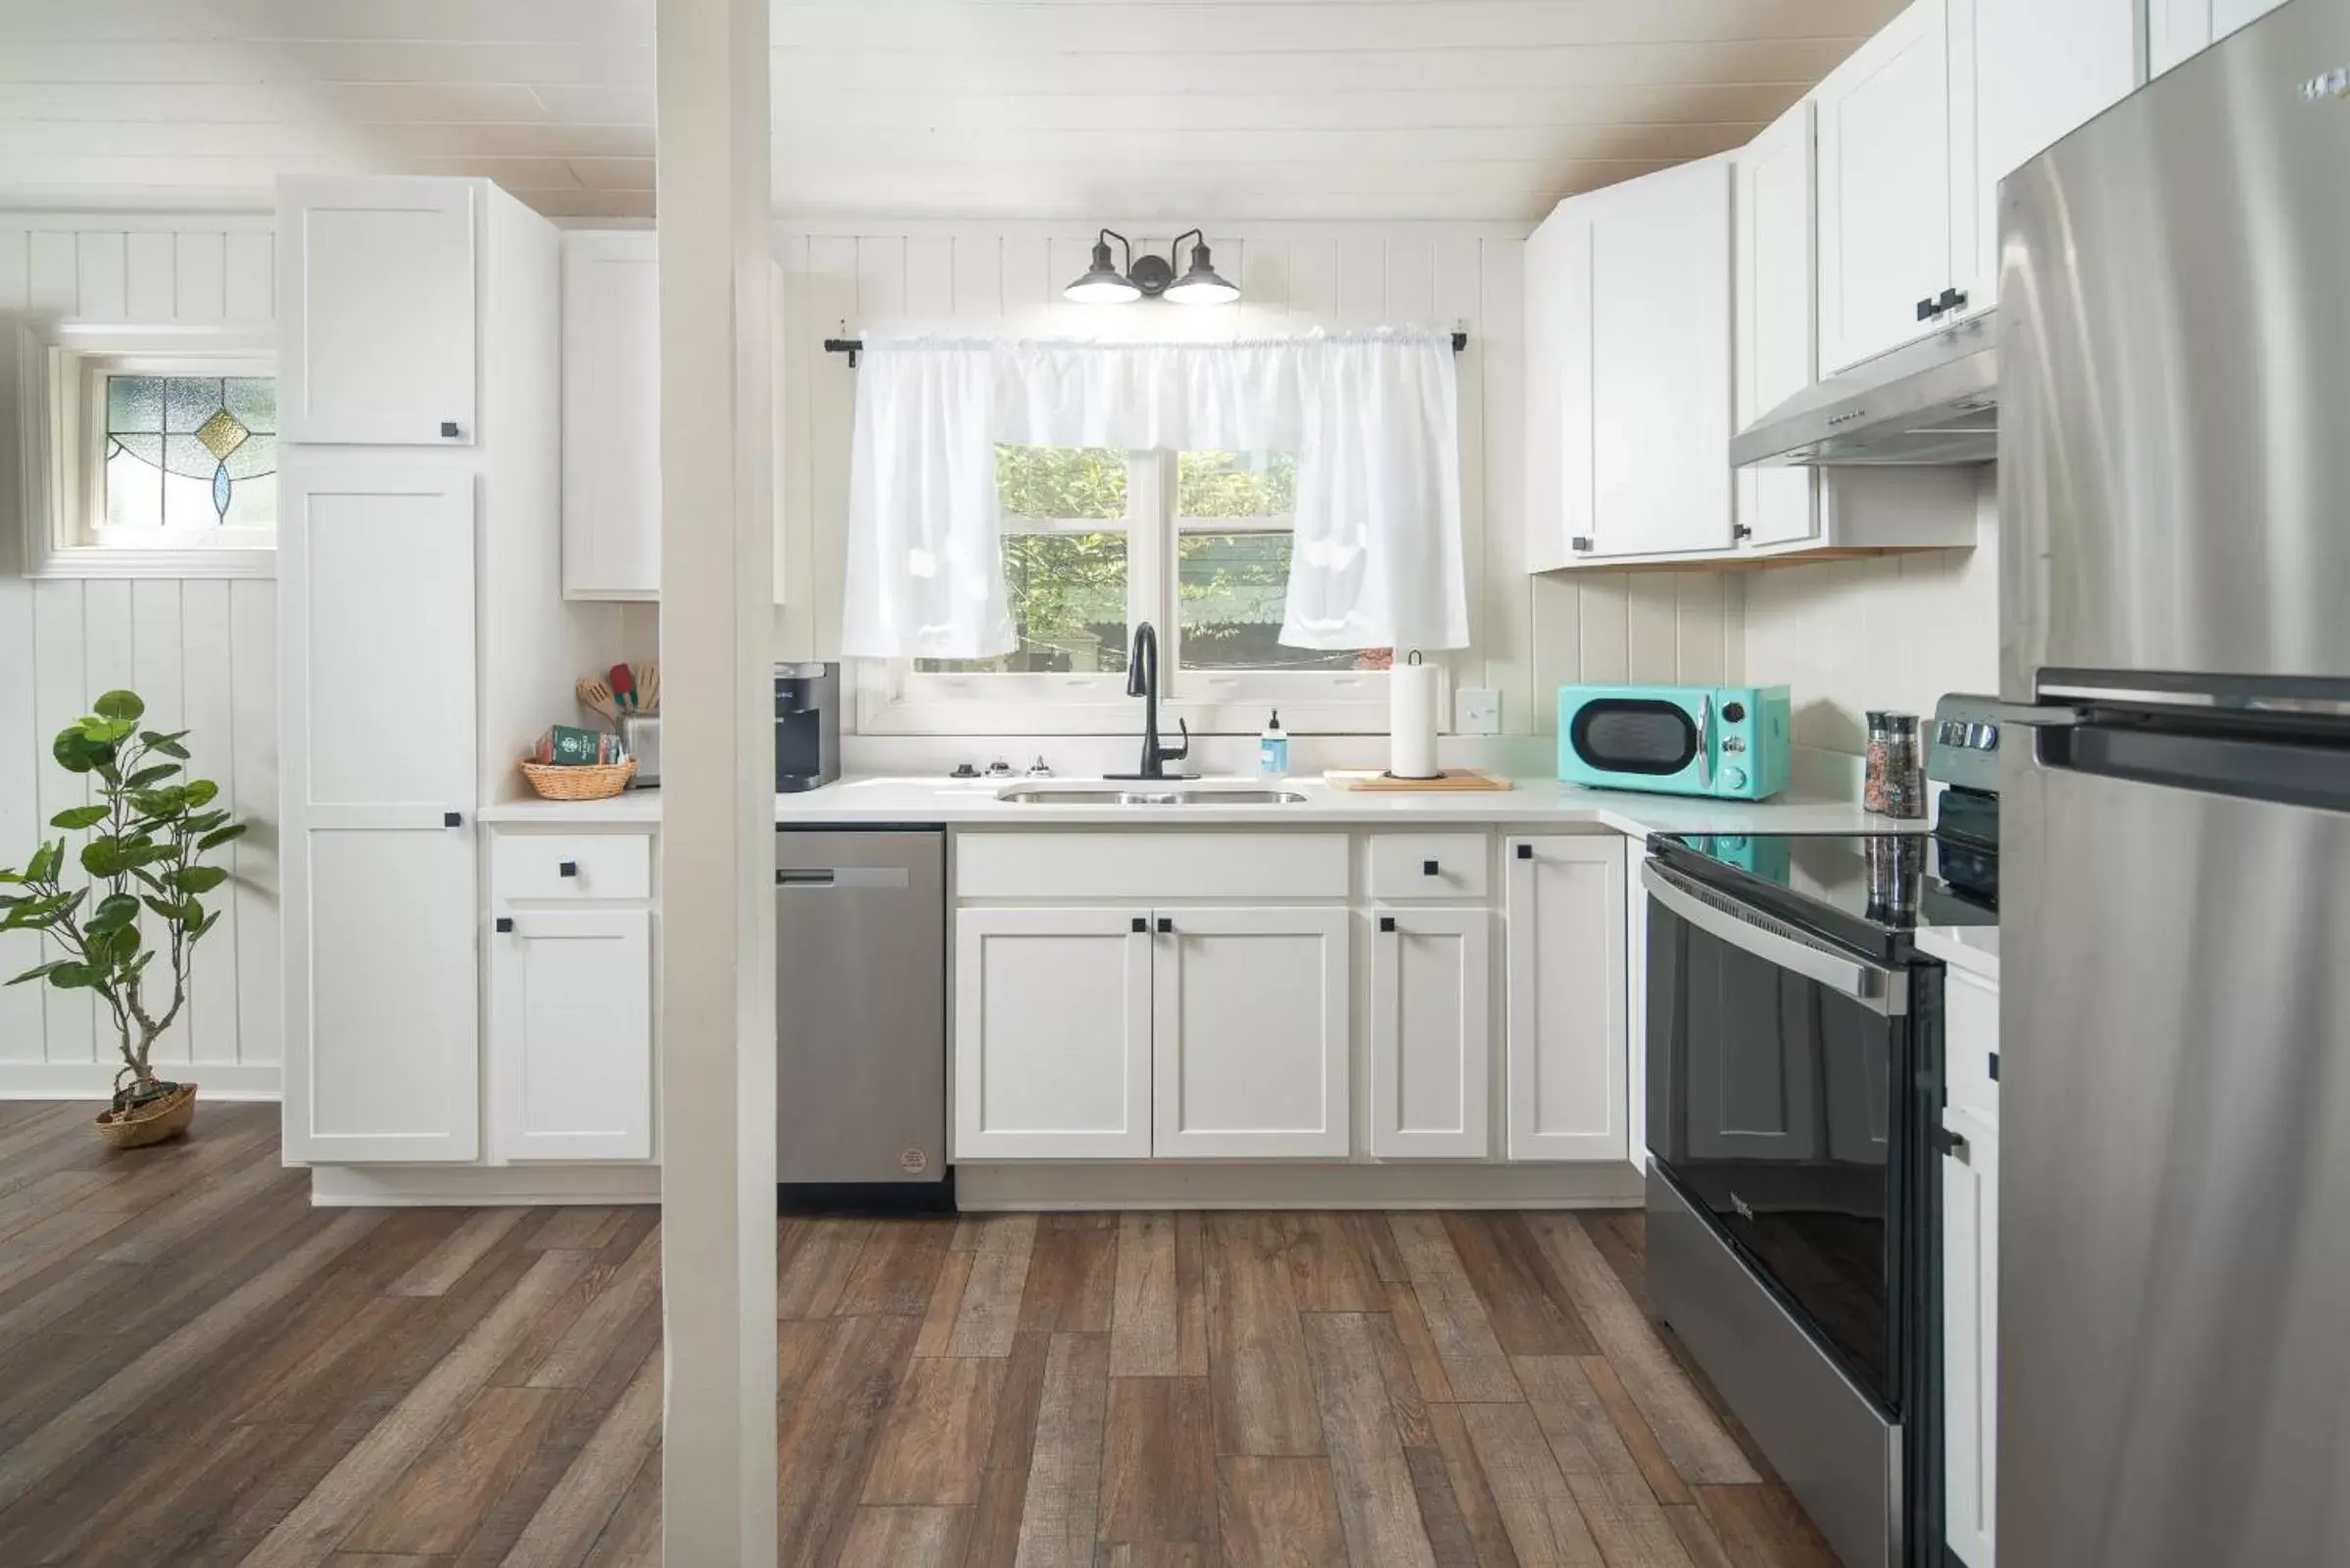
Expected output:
{"points": [[197, 1367]]}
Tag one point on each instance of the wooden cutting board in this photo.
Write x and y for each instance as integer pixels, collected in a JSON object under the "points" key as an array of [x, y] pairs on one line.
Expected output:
{"points": [[1371, 780]]}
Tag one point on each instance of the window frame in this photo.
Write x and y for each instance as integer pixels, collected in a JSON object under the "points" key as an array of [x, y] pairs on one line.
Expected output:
{"points": [[59, 429], [895, 698]]}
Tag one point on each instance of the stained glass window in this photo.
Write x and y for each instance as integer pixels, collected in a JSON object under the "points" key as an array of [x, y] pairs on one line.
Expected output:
{"points": [[191, 452]]}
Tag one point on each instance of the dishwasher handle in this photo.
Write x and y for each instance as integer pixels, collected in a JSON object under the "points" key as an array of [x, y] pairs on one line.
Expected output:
{"points": [[897, 879]]}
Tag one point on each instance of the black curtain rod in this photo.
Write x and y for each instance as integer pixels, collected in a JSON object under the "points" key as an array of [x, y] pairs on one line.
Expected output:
{"points": [[852, 347]]}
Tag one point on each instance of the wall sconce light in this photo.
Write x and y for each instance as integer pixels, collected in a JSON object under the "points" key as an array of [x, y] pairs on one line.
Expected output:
{"points": [[1151, 276]]}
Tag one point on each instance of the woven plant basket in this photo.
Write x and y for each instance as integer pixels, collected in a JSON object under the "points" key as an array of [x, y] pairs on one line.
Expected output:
{"points": [[152, 1123], [592, 781]]}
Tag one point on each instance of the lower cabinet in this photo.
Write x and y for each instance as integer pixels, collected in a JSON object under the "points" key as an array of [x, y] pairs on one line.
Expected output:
{"points": [[1249, 1032], [571, 1060], [1566, 981], [1970, 1336], [1052, 1034], [1432, 988]]}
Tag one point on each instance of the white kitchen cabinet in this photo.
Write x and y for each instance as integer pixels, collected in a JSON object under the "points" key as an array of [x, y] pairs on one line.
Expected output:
{"points": [[1052, 1034], [1887, 189], [571, 1035], [2178, 29], [1774, 236], [1251, 1038], [376, 310], [2039, 71], [1634, 320], [1566, 1095], [1970, 1189], [611, 416], [1431, 987], [376, 570]]}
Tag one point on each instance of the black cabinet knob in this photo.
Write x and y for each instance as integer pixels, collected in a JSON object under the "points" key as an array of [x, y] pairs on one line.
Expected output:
{"points": [[1741, 531], [1925, 309], [1994, 1067], [1952, 300], [449, 430], [569, 868], [1164, 925], [1427, 868], [1387, 922], [1582, 542], [1141, 924], [1525, 851], [505, 923], [450, 819]]}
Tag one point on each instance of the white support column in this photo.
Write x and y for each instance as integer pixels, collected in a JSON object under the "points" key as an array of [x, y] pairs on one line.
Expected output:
{"points": [[718, 1497]]}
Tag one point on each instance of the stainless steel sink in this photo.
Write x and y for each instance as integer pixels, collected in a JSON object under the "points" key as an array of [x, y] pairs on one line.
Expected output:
{"points": [[1141, 794]]}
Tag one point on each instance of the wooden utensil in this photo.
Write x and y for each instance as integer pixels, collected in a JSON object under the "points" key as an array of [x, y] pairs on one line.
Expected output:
{"points": [[623, 682], [649, 689], [594, 694]]}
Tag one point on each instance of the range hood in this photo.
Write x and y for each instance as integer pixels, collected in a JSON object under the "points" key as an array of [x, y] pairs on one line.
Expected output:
{"points": [[1933, 401]]}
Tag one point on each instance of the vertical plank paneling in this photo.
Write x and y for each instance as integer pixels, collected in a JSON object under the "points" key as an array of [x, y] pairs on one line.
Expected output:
{"points": [[21, 821], [1702, 627], [1312, 284], [253, 726], [249, 286], [1362, 281], [1265, 284], [155, 675], [103, 286], [109, 637], [1070, 256], [149, 276], [799, 341], [1026, 286], [13, 261], [208, 709], [833, 304], [68, 1018], [1652, 610], [201, 289], [1409, 292], [53, 274], [979, 283], [1506, 638], [1606, 638], [930, 281]]}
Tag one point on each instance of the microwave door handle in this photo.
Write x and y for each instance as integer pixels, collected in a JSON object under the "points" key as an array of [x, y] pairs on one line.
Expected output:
{"points": [[1706, 742], [1880, 990]]}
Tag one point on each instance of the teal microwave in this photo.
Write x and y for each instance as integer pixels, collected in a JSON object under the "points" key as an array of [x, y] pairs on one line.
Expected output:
{"points": [[1728, 741]]}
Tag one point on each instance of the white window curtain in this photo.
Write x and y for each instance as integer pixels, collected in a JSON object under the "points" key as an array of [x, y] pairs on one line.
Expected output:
{"points": [[1374, 417]]}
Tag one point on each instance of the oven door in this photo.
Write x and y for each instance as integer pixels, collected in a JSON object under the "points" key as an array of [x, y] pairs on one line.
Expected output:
{"points": [[1778, 1069]]}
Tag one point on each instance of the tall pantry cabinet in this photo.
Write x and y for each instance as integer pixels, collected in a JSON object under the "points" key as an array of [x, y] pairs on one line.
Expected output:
{"points": [[418, 374]]}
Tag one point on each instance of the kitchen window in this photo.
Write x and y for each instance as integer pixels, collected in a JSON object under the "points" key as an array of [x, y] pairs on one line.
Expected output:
{"points": [[1095, 542], [153, 453]]}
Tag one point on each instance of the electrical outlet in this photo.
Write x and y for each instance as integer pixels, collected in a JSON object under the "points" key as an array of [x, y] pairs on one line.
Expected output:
{"points": [[1478, 710]]}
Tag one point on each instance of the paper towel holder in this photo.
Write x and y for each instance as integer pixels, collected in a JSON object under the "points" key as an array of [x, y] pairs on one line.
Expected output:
{"points": [[1413, 659]]}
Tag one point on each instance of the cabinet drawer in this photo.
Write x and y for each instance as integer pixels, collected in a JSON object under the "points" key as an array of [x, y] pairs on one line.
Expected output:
{"points": [[1177, 863], [1428, 866], [610, 865], [1971, 1046]]}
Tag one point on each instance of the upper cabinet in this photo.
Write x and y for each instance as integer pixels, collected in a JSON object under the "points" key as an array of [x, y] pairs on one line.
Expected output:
{"points": [[1628, 307], [378, 310], [1776, 344], [612, 416], [2177, 29]]}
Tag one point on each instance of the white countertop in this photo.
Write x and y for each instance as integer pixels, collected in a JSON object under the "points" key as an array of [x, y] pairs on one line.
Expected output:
{"points": [[978, 803], [1972, 948]]}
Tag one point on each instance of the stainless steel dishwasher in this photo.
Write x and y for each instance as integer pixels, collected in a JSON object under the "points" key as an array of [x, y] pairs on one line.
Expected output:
{"points": [[860, 978]]}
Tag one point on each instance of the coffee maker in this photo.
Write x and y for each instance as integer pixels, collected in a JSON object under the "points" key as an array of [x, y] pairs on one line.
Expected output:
{"points": [[807, 725]]}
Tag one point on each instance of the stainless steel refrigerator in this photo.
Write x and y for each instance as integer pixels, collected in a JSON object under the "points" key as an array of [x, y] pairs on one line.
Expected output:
{"points": [[2174, 1375]]}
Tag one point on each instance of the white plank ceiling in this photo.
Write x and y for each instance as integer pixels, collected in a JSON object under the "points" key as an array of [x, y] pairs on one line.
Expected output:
{"points": [[914, 108]]}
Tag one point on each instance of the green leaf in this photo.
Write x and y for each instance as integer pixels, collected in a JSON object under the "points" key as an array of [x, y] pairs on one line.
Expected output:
{"points": [[115, 909], [47, 862], [210, 921], [70, 977], [79, 816], [148, 776], [168, 909], [107, 730], [120, 945], [105, 857], [77, 752], [221, 836], [39, 972], [122, 706], [199, 878], [201, 793], [168, 748]]}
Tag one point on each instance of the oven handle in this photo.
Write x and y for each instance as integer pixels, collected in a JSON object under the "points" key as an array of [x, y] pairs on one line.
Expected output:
{"points": [[1883, 991]]}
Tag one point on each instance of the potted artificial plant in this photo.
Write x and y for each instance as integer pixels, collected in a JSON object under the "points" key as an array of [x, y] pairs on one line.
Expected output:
{"points": [[145, 835]]}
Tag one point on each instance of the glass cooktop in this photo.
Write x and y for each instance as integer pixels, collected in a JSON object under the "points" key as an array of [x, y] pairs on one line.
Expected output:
{"points": [[1893, 883]]}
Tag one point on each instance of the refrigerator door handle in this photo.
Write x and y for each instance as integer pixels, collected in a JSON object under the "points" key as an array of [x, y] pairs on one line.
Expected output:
{"points": [[1880, 990]]}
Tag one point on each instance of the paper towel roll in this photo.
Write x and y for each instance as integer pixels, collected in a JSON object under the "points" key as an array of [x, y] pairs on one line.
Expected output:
{"points": [[1411, 721]]}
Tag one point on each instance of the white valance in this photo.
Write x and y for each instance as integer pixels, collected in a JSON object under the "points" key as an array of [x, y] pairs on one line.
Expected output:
{"points": [[1374, 419]]}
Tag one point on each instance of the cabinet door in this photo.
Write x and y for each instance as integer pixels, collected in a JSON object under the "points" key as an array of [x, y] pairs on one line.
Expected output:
{"points": [[2040, 71], [375, 572], [2229, 15], [2176, 29], [1052, 1046], [1884, 191], [1558, 437], [1777, 337], [611, 408], [571, 1036], [1251, 1036], [1659, 334], [1432, 982], [1567, 1045], [376, 310], [1969, 1338]]}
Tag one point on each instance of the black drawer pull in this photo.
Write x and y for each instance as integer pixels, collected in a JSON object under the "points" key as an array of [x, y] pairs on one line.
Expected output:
{"points": [[1141, 924], [449, 430], [505, 923], [450, 819], [1164, 925], [1952, 300], [1926, 309], [1525, 851], [1387, 922], [1427, 868], [1581, 543], [1994, 1067], [568, 868], [1949, 1143]]}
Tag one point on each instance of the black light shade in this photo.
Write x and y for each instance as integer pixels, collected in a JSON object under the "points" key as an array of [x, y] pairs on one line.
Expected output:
{"points": [[1103, 283], [1202, 285]]}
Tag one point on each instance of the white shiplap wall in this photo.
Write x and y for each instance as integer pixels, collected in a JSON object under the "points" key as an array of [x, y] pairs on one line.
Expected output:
{"points": [[203, 654], [1531, 635]]}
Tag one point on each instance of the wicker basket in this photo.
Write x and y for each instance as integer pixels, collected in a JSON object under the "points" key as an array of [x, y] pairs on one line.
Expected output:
{"points": [[152, 1123], [582, 782]]}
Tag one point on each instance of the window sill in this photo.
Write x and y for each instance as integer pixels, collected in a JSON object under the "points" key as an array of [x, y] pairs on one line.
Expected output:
{"points": [[85, 562], [1241, 717]]}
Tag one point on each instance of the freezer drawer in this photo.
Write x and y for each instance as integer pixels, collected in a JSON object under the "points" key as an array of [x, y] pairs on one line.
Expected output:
{"points": [[860, 975]]}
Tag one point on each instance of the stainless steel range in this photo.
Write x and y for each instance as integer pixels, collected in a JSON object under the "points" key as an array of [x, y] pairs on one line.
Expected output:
{"points": [[1795, 1086]]}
